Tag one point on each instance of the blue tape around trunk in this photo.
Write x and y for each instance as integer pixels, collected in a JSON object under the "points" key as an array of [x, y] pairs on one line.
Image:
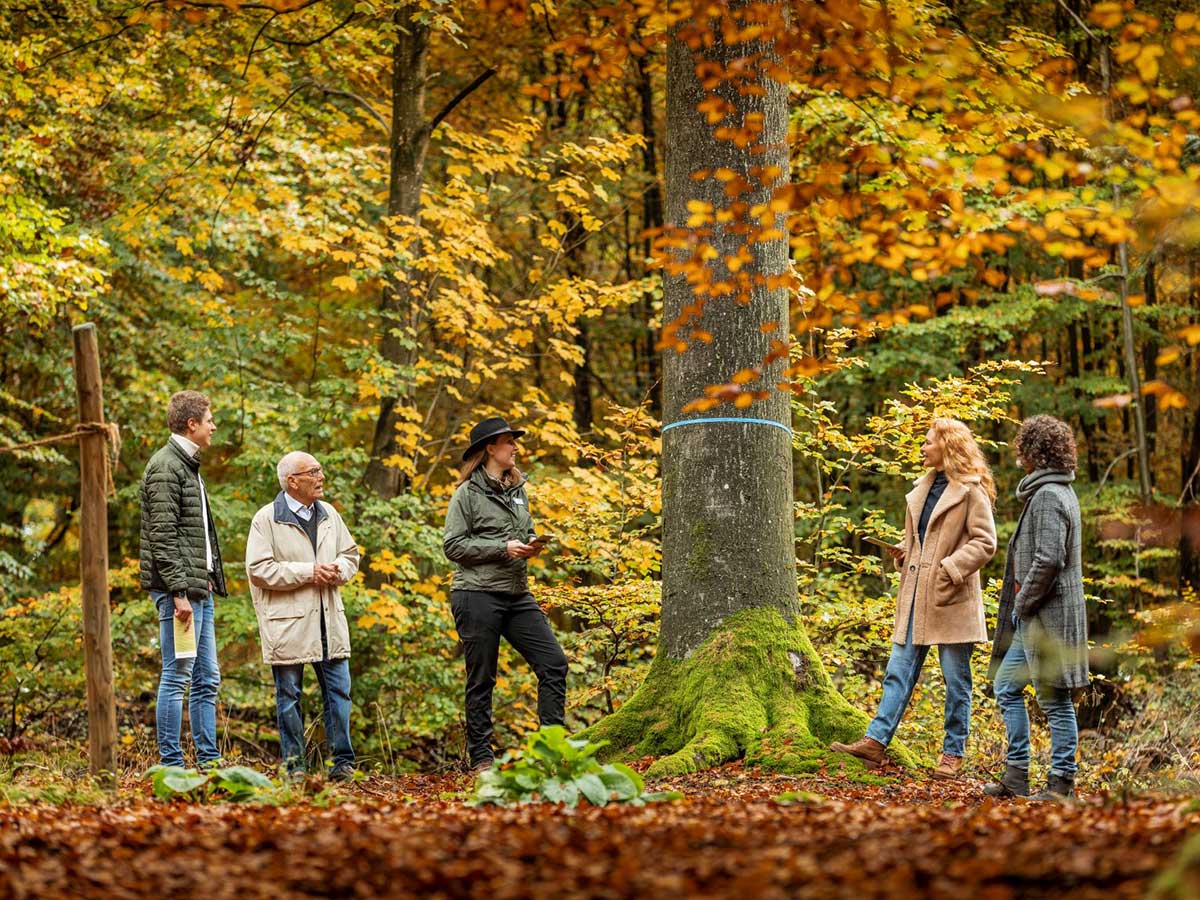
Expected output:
{"points": [[739, 420]]}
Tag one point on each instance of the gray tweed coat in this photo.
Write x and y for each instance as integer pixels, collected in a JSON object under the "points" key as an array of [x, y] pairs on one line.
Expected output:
{"points": [[1043, 583]]}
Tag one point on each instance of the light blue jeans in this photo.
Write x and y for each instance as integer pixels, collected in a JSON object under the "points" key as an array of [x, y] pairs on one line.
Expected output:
{"points": [[201, 673], [1011, 679], [903, 670]]}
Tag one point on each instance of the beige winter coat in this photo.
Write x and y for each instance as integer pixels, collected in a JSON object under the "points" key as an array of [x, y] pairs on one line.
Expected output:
{"points": [[279, 563], [939, 579]]}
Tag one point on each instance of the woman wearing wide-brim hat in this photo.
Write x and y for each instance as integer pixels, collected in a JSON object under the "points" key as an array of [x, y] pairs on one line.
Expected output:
{"points": [[489, 536]]}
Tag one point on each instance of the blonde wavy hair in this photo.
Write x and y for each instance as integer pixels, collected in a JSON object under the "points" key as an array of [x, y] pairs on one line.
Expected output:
{"points": [[961, 456]]}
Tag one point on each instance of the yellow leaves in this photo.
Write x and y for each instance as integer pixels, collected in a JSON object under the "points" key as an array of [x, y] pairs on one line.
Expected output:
{"points": [[990, 168], [345, 283], [1106, 15], [701, 213], [745, 376], [1147, 62], [210, 280], [385, 562], [1133, 89], [404, 463], [183, 245], [1191, 334]]}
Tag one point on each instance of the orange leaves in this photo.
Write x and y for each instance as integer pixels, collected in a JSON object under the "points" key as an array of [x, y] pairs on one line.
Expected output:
{"points": [[1168, 357], [715, 109], [1167, 396], [735, 393]]}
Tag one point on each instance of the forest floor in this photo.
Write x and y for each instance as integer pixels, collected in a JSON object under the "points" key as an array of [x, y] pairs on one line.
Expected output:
{"points": [[729, 837]]}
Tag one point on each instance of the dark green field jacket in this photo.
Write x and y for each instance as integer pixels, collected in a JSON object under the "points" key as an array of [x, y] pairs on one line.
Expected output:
{"points": [[173, 555]]}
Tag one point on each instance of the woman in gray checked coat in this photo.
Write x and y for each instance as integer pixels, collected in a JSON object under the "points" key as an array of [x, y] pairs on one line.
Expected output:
{"points": [[1041, 630]]}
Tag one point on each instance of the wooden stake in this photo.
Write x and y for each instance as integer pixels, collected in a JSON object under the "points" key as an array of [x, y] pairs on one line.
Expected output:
{"points": [[93, 558]]}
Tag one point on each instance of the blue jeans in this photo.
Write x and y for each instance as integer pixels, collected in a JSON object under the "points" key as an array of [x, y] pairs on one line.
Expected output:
{"points": [[202, 673], [903, 670], [334, 677], [1011, 679]]}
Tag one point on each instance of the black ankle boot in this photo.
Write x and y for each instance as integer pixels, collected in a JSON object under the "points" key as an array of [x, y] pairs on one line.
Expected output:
{"points": [[1013, 783], [1058, 788]]}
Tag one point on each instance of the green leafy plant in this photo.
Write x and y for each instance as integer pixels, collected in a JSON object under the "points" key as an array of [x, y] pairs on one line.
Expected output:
{"points": [[555, 768], [236, 783]]}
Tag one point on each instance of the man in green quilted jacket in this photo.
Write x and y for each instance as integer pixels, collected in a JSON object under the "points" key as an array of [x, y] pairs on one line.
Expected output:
{"points": [[181, 568]]}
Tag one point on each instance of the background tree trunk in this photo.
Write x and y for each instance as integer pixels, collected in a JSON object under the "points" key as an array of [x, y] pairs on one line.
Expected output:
{"points": [[406, 177]]}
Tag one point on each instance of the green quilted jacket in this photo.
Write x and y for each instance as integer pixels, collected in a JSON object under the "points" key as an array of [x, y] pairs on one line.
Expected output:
{"points": [[172, 551]]}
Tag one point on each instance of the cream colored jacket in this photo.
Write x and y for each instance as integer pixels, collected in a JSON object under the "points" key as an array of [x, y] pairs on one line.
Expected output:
{"points": [[289, 606]]}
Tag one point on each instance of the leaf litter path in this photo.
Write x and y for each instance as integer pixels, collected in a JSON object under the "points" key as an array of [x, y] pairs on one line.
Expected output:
{"points": [[730, 838]]}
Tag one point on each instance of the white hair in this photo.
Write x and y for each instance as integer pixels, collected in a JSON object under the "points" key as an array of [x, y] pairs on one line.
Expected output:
{"points": [[289, 465]]}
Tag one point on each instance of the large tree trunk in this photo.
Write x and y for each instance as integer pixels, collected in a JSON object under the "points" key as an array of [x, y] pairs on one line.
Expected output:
{"points": [[646, 352], [735, 674]]}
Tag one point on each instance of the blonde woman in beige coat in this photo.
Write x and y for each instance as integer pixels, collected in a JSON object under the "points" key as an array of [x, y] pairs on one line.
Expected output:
{"points": [[949, 535], [298, 555]]}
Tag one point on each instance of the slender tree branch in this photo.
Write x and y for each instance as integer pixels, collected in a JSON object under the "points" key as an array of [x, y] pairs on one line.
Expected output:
{"points": [[254, 43], [334, 30], [460, 97], [360, 101], [254, 147], [96, 40]]}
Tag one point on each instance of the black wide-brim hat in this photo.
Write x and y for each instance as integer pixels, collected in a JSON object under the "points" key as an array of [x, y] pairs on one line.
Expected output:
{"points": [[487, 430]]}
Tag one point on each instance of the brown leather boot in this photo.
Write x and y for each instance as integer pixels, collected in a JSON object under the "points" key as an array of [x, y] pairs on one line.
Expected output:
{"points": [[869, 750], [949, 768]]}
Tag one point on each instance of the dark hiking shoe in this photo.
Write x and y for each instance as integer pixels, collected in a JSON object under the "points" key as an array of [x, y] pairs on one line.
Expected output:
{"points": [[1059, 788], [869, 750], [342, 772], [949, 768], [1013, 783], [482, 766]]}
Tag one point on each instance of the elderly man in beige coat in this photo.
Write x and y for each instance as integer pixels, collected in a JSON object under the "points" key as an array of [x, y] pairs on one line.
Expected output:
{"points": [[298, 555]]}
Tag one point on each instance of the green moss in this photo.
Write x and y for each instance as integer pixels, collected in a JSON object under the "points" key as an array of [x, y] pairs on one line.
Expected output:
{"points": [[755, 689], [700, 555]]}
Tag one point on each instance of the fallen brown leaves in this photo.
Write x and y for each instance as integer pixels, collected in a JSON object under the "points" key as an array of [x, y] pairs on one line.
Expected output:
{"points": [[729, 838]]}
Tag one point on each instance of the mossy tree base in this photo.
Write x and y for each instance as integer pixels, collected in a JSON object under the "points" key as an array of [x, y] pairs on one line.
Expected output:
{"points": [[755, 689]]}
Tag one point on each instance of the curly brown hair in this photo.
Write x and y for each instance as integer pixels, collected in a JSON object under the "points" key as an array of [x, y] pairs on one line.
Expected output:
{"points": [[1047, 443], [183, 407]]}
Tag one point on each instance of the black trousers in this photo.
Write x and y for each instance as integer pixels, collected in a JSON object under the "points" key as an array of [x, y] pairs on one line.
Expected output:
{"points": [[482, 618]]}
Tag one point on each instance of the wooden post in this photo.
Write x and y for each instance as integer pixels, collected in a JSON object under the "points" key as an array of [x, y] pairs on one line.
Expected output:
{"points": [[93, 558]]}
